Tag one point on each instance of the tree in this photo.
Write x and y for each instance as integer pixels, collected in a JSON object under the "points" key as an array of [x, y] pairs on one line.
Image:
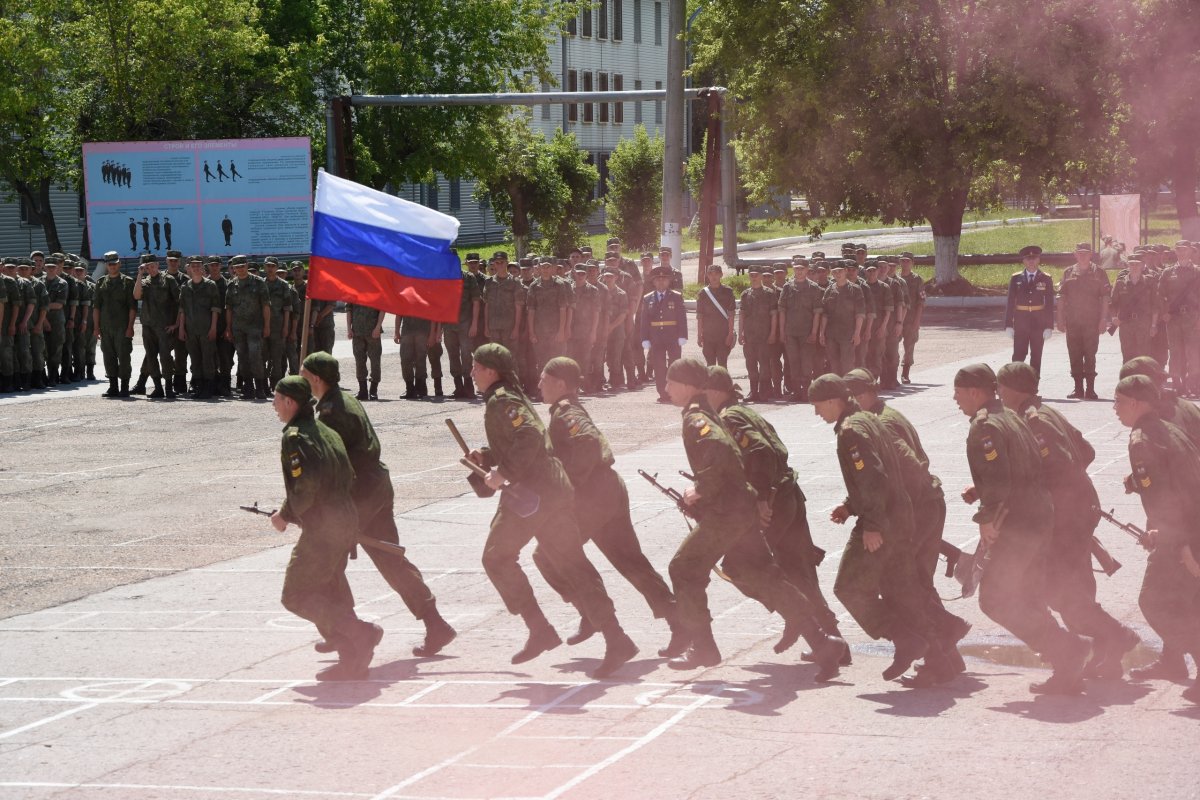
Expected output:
{"points": [[634, 201], [893, 108], [566, 229]]}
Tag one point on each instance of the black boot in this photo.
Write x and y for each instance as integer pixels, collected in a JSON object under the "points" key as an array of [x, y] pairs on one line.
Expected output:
{"points": [[125, 387], [6, 384], [203, 389], [458, 387], [680, 639], [618, 650], [91, 372], [1068, 663], [1078, 393], [355, 651], [362, 390], [112, 389], [170, 387], [437, 387], [140, 386], [909, 645], [828, 653], [542, 637], [181, 384], [702, 652], [1090, 388], [422, 389], [583, 632], [373, 394], [410, 393], [260, 388], [438, 634], [157, 394]]}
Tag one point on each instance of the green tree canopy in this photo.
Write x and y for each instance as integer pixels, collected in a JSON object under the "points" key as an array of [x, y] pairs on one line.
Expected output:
{"points": [[634, 202]]}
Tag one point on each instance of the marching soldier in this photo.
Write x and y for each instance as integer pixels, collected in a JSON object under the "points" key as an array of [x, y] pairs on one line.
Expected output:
{"points": [[113, 312], [1134, 306], [199, 321], [915, 287], [518, 454], [1015, 518], [159, 296], [601, 501], [364, 325], [663, 328], [319, 479], [247, 324], [1166, 475], [715, 310], [1029, 316], [1082, 309]]}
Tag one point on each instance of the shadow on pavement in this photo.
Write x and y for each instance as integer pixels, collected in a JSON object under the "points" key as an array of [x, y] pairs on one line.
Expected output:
{"points": [[766, 696], [931, 702]]}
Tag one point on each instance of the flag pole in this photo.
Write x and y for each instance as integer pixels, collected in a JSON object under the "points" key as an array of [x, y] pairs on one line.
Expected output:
{"points": [[304, 330]]}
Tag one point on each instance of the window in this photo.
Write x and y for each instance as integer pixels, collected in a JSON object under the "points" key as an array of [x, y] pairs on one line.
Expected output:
{"points": [[603, 169], [637, 21], [587, 22], [602, 20], [618, 85], [657, 23], [545, 106], [456, 191], [618, 20], [572, 86], [573, 25], [589, 108], [604, 88], [637, 105], [658, 104]]}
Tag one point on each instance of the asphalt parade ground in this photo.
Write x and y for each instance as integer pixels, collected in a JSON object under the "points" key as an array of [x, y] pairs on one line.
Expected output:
{"points": [[144, 652]]}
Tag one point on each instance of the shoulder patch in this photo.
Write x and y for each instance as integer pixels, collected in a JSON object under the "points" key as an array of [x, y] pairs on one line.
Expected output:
{"points": [[1031, 412], [989, 448], [700, 424], [856, 457], [980, 416], [515, 416], [500, 393], [1141, 474], [1137, 437]]}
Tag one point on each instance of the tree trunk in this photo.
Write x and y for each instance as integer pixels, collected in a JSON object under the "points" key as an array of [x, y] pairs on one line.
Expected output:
{"points": [[38, 198], [1183, 181], [520, 218], [946, 221]]}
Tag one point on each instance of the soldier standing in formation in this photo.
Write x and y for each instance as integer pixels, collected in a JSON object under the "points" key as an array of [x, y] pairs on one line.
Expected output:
{"points": [[663, 328], [198, 326], [916, 308], [225, 349], [1029, 316], [460, 336], [843, 317], [1134, 305], [1082, 309], [248, 323], [364, 325], [279, 298], [113, 312], [800, 328], [715, 310], [159, 296], [1179, 294], [756, 332]]}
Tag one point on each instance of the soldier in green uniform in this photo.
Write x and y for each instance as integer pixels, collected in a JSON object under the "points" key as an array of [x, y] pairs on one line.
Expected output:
{"points": [[787, 567], [1166, 476], [504, 308], [319, 481], [916, 309], [633, 283], [26, 318], [1179, 297], [843, 315], [274, 347], [460, 336], [159, 296], [1069, 581], [85, 334], [900, 305], [1134, 305], [199, 320], [601, 500], [71, 310], [548, 309], [296, 298], [179, 356], [414, 335], [374, 498], [518, 453], [322, 326], [800, 327], [878, 580], [10, 309], [38, 325], [113, 312], [1082, 313], [756, 331], [56, 317], [365, 327], [855, 276], [881, 299], [585, 321], [715, 311], [613, 327], [924, 489], [225, 347], [248, 323], [1015, 518]]}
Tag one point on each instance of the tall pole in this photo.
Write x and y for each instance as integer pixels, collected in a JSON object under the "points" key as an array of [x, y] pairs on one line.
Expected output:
{"points": [[672, 203]]}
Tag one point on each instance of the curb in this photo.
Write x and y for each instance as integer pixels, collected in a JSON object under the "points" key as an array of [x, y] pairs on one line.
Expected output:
{"points": [[932, 302]]}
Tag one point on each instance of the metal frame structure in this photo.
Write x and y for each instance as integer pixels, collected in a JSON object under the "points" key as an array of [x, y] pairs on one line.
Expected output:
{"points": [[719, 103]]}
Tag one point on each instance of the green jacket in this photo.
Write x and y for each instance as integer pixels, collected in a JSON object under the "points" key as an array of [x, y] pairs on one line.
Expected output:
{"points": [[918, 480], [198, 301], [519, 445], [160, 301], [317, 476], [1166, 475], [587, 460], [841, 305], [339, 410], [715, 461], [114, 300], [1006, 467], [1066, 456], [871, 470], [764, 455]]}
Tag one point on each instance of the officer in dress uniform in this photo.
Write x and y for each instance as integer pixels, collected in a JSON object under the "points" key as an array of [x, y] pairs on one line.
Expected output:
{"points": [[1029, 318], [664, 328]]}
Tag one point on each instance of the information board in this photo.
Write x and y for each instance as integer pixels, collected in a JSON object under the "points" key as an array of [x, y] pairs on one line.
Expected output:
{"points": [[204, 197]]}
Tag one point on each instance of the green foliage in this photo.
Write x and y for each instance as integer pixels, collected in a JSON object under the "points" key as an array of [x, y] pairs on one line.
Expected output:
{"points": [[634, 202], [566, 229]]}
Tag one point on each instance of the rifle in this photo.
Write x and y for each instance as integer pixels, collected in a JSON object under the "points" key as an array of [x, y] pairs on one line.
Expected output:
{"points": [[1142, 537], [365, 541], [674, 494], [523, 502], [968, 569]]}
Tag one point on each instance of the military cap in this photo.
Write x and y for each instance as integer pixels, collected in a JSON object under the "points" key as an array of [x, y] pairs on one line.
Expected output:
{"points": [[610, 271], [612, 257], [24, 263], [565, 369], [270, 260], [779, 265], [495, 356], [1018, 376], [296, 265], [1139, 387], [835, 266], [585, 250], [860, 380], [870, 266], [1083, 247], [976, 376], [719, 380], [148, 258], [661, 272], [666, 250], [1183, 243], [8, 262], [1143, 365], [239, 261], [174, 254], [213, 260], [860, 249], [821, 266], [612, 240], [591, 263], [713, 268], [907, 255], [1030, 250], [112, 257], [581, 268], [828, 387], [647, 255], [472, 257], [194, 260], [847, 246], [81, 264], [818, 254], [525, 262], [56, 258], [324, 366], [295, 387], [513, 267], [37, 253], [689, 370]]}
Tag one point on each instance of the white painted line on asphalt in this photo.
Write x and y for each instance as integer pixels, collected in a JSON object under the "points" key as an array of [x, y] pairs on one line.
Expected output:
{"points": [[160, 787], [47, 720], [583, 738], [275, 692], [433, 687], [146, 538], [424, 471]]}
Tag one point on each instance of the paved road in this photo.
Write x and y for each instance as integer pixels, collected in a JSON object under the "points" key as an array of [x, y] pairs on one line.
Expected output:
{"points": [[176, 674]]}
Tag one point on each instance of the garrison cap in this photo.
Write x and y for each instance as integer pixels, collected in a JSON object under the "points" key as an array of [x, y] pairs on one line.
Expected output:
{"points": [[1143, 365], [860, 380], [295, 387], [565, 369], [174, 254], [1018, 376], [112, 257], [719, 380], [976, 376], [324, 366], [828, 387], [148, 258], [1030, 250], [239, 261], [661, 272], [689, 370], [1139, 387]]}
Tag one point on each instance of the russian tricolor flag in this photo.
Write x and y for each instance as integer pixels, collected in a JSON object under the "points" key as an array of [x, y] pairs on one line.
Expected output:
{"points": [[370, 248]]}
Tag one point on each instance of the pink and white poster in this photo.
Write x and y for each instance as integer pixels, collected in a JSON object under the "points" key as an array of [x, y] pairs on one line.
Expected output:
{"points": [[1121, 218]]}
